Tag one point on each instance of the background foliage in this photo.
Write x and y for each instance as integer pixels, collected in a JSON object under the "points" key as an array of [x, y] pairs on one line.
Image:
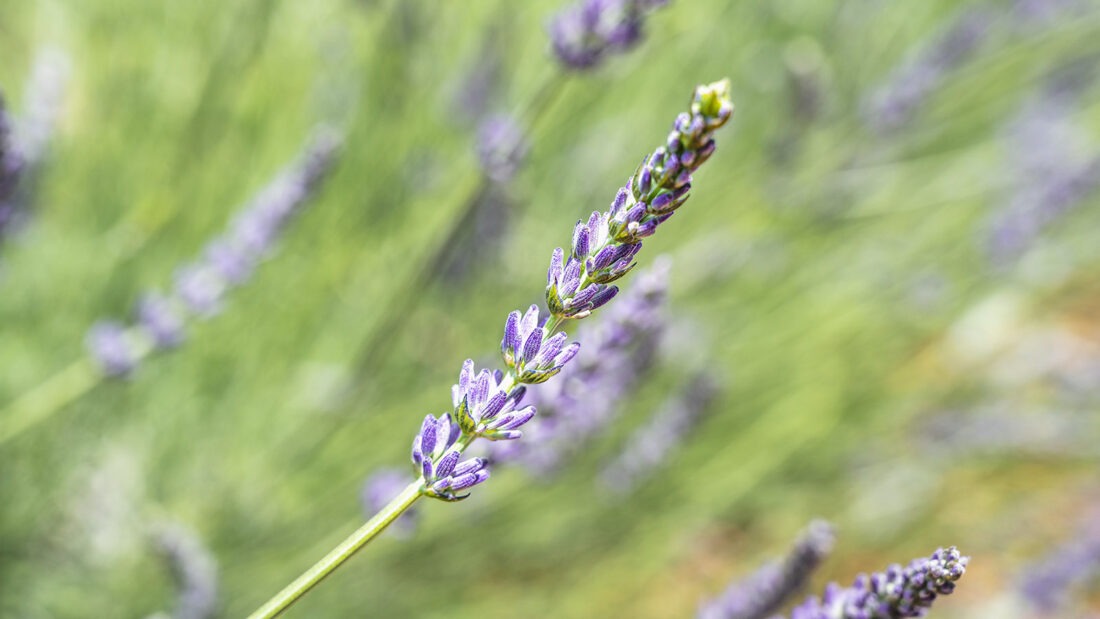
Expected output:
{"points": [[835, 277]]}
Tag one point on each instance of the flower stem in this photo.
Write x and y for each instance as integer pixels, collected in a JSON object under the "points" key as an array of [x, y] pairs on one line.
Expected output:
{"points": [[378, 523]]}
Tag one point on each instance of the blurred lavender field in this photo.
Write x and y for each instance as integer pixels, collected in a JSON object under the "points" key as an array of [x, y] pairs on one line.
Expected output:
{"points": [[246, 246]]}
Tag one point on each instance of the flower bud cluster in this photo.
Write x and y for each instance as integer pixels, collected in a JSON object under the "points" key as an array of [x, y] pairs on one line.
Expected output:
{"points": [[484, 407], [436, 458], [604, 247], [620, 349], [228, 261], [532, 355], [895, 593]]}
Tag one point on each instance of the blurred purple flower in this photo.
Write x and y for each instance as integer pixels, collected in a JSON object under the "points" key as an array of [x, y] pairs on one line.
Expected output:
{"points": [[584, 34], [894, 593], [909, 86], [228, 261], [110, 346], [1047, 584], [11, 167], [195, 570], [501, 147], [649, 446], [379, 489], [1006, 428], [160, 320], [765, 591], [1051, 169]]}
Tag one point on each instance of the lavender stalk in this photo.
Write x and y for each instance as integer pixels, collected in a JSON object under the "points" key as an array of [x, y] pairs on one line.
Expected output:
{"points": [[227, 262], [895, 593], [762, 594], [487, 404], [116, 349]]}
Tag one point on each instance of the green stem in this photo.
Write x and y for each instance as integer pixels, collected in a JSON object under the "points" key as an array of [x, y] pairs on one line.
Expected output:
{"points": [[309, 579], [50, 397]]}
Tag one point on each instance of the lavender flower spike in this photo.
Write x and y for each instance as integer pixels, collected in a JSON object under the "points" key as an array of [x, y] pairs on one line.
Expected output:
{"points": [[603, 250], [201, 285], [762, 594], [484, 404], [604, 247], [584, 34], [897, 592]]}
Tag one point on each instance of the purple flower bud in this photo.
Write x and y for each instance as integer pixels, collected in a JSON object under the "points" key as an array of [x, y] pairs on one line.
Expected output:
{"points": [[447, 463], [660, 203], [427, 435], [160, 320], [111, 348], [580, 241]]}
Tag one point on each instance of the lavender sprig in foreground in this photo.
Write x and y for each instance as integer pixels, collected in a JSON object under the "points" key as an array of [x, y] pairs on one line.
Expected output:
{"points": [[488, 404]]}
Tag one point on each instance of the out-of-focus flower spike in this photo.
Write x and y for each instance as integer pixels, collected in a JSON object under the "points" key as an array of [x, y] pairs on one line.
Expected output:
{"points": [[160, 320], [763, 593]]}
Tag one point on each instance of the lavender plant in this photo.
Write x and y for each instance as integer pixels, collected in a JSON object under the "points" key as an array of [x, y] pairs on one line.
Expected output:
{"points": [[894, 593], [488, 404], [761, 594], [227, 262], [584, 34]]}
